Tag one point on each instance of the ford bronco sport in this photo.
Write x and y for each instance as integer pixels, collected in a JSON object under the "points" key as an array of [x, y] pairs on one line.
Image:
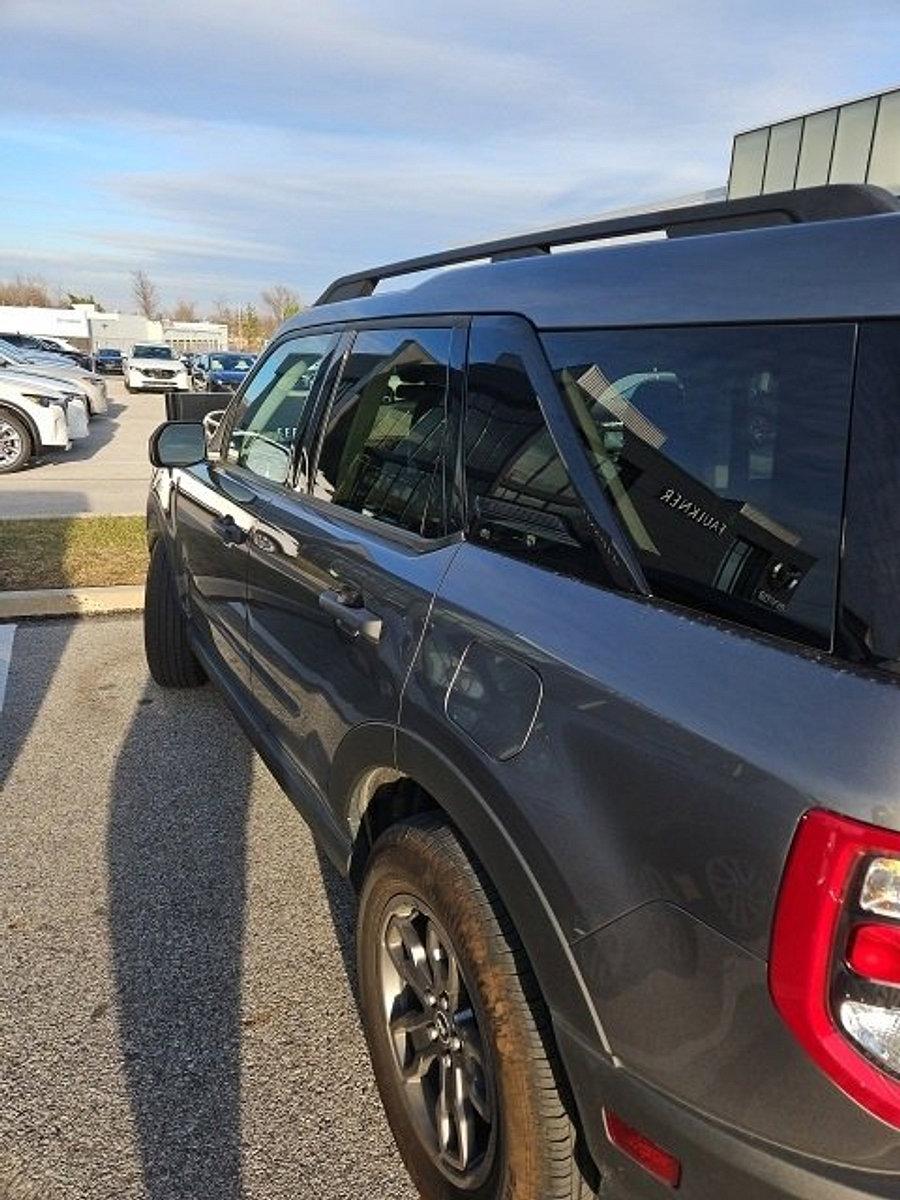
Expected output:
{"points": [[560, 593]]}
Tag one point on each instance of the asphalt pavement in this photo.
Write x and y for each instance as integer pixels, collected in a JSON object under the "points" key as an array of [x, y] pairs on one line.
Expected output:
{"points": [[107, 472], [177, 1016]]}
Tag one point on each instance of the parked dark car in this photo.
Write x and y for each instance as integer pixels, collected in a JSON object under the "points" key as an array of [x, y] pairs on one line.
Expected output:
{"points": [[559, 593], [109, 361], [221, 370]]}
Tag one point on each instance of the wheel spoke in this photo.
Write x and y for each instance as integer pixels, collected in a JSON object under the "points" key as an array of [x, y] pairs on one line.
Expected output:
{"points": [[419, 1047], [444, 1107], [469, 1036], [476, 1090], [472, 1059], [437, 958], [465, 1134], [408, 955]]}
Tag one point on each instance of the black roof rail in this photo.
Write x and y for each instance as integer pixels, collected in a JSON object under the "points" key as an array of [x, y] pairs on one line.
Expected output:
{"points": [[830, 202]]}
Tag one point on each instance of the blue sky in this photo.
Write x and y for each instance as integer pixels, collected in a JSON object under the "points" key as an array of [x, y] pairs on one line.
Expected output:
{"points": [[223, 146]]}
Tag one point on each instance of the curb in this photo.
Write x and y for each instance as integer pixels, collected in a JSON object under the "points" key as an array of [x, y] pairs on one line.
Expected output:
{"points": [[70, 602]]}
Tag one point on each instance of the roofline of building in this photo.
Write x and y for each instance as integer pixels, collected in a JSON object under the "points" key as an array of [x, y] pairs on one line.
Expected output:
{"points": [[812, 112]]}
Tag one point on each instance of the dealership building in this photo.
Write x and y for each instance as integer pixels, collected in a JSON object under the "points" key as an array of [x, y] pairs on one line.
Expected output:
{"points": [[854, 142], [88, 328]]}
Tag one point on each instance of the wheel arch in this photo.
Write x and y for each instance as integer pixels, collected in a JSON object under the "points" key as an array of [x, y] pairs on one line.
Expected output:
{"points": [[382, 775], [29, 422]]}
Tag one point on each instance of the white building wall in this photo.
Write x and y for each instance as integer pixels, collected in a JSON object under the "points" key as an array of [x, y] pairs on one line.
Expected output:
{"points": [[45, 322], [89, 329]]}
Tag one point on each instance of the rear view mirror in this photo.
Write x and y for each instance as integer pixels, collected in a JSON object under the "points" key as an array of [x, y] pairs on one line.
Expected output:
{"points": [[178, 444]]}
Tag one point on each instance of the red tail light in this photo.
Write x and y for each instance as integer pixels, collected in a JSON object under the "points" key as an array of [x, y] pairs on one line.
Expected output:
{"points": [[874, 953], [834, 971]]}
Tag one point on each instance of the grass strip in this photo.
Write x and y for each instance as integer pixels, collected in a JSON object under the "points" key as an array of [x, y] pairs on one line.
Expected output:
{"points": [[60, 552]]}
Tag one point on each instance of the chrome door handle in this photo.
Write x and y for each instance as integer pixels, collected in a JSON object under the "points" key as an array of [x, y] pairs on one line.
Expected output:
{"points": [[352, 618]]}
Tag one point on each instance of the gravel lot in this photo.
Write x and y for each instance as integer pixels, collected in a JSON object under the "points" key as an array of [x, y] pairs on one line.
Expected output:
{"points": [[108, 472], [176, 1014]]}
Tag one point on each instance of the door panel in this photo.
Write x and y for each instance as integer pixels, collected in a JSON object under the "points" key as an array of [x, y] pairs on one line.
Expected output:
{"points": [[214, 517], [314, 674], [340, 583]]}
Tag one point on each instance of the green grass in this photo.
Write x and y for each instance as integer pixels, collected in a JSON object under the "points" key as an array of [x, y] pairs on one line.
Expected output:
{"points": [[59, 552]]}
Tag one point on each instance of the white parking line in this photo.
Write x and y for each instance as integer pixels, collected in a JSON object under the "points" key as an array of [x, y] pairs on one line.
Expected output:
{"points": [[7, 633]]}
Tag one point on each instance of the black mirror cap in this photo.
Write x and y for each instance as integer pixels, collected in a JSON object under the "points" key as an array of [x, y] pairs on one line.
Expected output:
{"points": [[178, 444]]}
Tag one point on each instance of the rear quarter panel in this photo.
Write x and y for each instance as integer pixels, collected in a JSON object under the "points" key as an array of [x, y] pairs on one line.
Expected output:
{"points": [[655, 801]]}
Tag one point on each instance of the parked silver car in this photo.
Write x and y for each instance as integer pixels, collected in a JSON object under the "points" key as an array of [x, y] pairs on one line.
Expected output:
{"points": [[48, 366]]}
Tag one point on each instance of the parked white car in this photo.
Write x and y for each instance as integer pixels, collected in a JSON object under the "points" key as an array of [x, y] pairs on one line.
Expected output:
{"points": [[155, 368], [63, 371], [37, 415]]}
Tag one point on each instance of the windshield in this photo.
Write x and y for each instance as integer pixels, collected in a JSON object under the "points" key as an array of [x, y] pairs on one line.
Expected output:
{"points": [[12, 352], [152, 352], [109, 353], [231, 362]]}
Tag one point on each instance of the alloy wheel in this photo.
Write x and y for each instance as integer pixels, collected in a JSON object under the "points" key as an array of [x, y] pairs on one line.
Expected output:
{"points": [[442, 1061], [10, 444]]}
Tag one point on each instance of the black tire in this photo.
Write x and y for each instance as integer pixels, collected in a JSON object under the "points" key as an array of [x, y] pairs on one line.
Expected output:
{"points": [[527, 1151], [169, 656], [16, 445]]}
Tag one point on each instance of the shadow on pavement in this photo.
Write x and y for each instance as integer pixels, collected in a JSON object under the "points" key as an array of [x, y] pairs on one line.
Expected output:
{"points": [[30, 671], [176, 849], [342, 910]]}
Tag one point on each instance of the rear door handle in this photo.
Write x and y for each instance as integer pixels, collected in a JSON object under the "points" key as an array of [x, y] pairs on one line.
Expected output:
{"points": [[229, 530], [350, 616]]}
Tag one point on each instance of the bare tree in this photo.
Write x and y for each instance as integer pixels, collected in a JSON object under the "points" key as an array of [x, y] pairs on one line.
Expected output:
{"points": [[184, 310], [145, 294], [73, 298], [282, 302], [26, 291]]}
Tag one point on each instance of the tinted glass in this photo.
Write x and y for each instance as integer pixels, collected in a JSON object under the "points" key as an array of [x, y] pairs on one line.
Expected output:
{"points": [[853, 141], [815, 148], [884, 167], [870, 575], [723, 452], [519, 498], [748, 163], [781, 163], [382, 452], [275, 406]]}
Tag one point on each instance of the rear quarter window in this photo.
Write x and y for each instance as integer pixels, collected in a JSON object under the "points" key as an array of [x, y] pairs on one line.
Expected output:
{"points": [[723, 452]]}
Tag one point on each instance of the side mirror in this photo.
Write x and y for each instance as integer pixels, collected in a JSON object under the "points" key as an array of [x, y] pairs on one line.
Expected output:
{"points": [[178, 444]]}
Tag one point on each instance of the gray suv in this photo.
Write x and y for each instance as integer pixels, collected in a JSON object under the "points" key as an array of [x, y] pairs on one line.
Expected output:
{"points": [[560, 593]]}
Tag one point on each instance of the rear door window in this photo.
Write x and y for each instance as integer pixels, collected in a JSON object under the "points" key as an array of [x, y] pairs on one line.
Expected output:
{"points": [[723, 452], [519, 498], [383, 447]]}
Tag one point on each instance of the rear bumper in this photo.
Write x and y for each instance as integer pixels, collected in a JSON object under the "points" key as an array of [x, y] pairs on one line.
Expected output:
{"points": [[717, 1161]]}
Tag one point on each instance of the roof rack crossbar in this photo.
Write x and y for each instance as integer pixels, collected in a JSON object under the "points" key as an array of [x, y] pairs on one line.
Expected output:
{"points": [[830, 202]]}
